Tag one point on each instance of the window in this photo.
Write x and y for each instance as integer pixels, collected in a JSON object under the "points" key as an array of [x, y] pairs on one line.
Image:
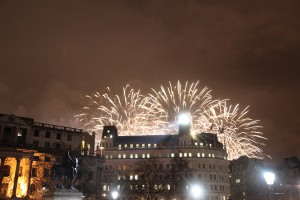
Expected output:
{"points": [[6, 170], [237, 180], [69, 138], [172, 155], [124, 155], [58, 146], [148, 155], [155, 145], [149, 145], [33, 172], [47, 159], [136, 177], [185, 155], [47, 144], [180, 155], [119, 156], [125, 145], [198, 155], [36, 133], [131, 146], [203, 155], [131, 155], [48, 134], [120, 146], [143, 155], [136, 156], [137, 146], [190, 154], [143, 145], [58, 136], [46, 173], [35, 144]]}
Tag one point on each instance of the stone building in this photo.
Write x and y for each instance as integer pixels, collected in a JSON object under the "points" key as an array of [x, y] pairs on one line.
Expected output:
{"points": [[207, 160], [291, 169], [28, 149]]}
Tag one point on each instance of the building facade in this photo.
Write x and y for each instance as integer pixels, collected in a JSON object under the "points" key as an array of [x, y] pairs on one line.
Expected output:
{"points": [[206, 157], [28, 149]]}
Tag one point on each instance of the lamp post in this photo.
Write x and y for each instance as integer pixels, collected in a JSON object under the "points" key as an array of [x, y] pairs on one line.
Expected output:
{"points": [[269, 178], [196, 191], [114, 194]]}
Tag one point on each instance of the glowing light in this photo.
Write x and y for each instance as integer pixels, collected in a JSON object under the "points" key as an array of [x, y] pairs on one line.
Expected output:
{"points": [[184, 119], [269, 177], [196, 191], [114, 194]]}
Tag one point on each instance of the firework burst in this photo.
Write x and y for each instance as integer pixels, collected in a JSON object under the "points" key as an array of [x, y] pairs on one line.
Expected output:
{"points": [[132, 113], [156, 113], [239, 133]]}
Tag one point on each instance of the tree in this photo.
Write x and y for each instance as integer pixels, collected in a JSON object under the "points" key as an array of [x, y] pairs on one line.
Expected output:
{"points": [[152, 179]]}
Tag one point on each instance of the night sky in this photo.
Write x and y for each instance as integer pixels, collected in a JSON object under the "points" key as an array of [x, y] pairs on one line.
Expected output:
{"points": [[52, 53]]}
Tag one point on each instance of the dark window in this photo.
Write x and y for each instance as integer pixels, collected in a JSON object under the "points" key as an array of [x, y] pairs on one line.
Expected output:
{"points": [[36, 133], [58, 136], [48, 134], [90, 175], [35, 144], [47, 144], [58, 146], [69, 137], [46, 173], [33, 172], [47, 159], [36, 158], [6, 170]]}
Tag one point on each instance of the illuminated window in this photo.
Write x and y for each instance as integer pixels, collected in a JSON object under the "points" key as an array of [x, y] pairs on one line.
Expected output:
{"points": [[209, 155], [111, 156], [131, 155], [131, 146], [119, 156], [201, 144], [120, 146], [213, 155], [149, 145], [180, 155], [190, 154], [168, 187], [172, 155], [136, 156], [148, 155], [196, 144], [198, 155], [136, 177], [131, 177], [110, 136], [137, 146], [203, 154], [154, 145], [143, 145], [185, 155], [143, 155], [124, 155], [238, 180], [104, 188], [125, 145]]}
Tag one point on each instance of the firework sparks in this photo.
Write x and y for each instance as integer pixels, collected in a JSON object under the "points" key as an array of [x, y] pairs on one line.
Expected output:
{"points": [[235, 130], [156, 113]]}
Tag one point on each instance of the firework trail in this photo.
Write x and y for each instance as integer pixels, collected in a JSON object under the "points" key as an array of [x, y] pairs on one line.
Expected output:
{"points": [[156, 113], [175, 99], [239, 133], [132, 113]]}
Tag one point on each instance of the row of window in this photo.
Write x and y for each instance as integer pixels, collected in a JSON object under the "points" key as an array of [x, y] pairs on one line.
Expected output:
{"points": [[57, 146], [48, 135], [172, 155], [150, 146], [121, 167]]}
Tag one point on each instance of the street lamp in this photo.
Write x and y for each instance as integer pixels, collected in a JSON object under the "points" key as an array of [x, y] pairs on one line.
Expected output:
{"points": [[269, 178], [114, 194], [196, 191]]}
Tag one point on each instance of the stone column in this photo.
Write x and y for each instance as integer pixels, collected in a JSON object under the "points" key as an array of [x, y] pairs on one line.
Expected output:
{"points": [[16, 178], [1, 170], [29, 177]]}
